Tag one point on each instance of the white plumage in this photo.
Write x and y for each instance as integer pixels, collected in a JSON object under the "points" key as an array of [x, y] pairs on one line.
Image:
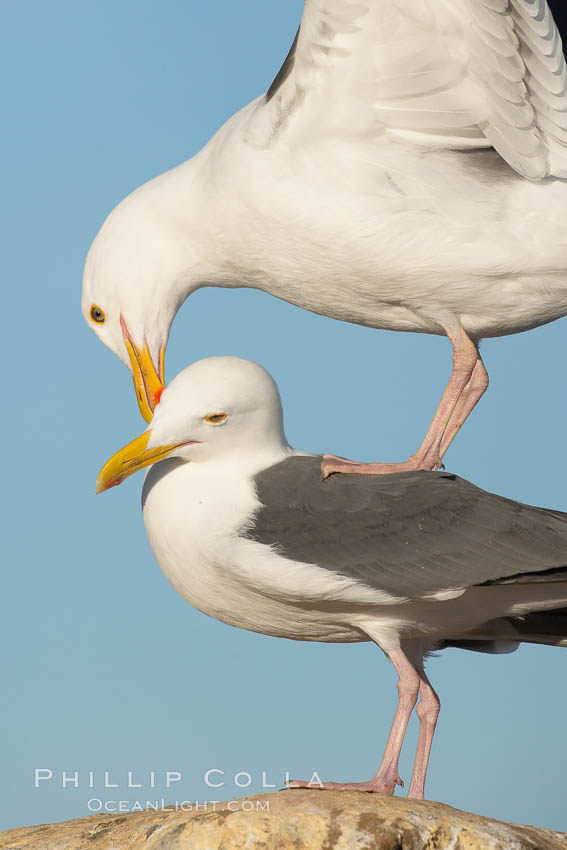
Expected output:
{"points": [[453, 73], [404, 171], [246, 531]]}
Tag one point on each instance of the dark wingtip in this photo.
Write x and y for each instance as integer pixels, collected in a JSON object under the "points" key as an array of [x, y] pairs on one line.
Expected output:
{"points": [[284, 71]]}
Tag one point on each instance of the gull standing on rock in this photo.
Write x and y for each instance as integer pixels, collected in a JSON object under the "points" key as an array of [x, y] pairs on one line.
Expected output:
{"points": [[405, 170], [246, 530]]}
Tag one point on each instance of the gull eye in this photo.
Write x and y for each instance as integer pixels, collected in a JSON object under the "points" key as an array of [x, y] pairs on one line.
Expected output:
{"points": [[215, 418], [97, 315]]}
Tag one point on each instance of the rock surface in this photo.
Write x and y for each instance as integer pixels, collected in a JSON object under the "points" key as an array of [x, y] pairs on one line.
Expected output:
{"points": [[294, 820]]}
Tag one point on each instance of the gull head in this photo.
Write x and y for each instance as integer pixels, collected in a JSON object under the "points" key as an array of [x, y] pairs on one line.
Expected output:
{"points": [[217, 409], [139, 270]]}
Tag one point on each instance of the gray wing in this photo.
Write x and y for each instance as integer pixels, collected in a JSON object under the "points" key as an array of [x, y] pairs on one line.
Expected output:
{"points": [[410, 534]]}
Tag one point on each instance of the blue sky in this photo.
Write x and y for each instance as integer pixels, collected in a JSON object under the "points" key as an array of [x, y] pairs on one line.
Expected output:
{"points": [[104, 666]]}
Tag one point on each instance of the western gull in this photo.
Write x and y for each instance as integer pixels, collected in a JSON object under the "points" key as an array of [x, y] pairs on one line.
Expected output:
{"points": [[403, 171], [248, 532]]}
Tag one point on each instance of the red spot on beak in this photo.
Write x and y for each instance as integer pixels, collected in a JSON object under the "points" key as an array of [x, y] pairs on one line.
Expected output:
{"points": [[157, 395]]}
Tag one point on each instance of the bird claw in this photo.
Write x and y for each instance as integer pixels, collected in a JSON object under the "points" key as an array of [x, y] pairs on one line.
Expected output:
{"points": [[333, 463]]}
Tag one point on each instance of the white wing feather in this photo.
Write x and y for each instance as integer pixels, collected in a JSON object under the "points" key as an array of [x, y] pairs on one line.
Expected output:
{"points": [[445, 73]]}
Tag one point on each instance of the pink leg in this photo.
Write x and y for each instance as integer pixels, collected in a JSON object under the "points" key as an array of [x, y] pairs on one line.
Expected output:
{"points": [[428, 711], [429, 454], [471, 395], [387, 776]]}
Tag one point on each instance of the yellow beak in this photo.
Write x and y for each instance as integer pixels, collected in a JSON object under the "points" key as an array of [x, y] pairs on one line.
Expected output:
{"points": [[149, 383], [130, 459]]}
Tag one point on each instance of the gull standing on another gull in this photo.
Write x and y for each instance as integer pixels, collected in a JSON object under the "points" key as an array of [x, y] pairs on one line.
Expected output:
{"points": [[405, 170], [246, 530]]}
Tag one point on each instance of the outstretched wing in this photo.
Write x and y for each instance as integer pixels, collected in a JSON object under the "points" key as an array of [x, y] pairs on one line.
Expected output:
{"points": [[443, 73], [411, 534]]}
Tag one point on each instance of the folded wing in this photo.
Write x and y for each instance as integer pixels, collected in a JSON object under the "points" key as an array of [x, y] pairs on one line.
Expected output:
{"points": [[411, 534]]}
